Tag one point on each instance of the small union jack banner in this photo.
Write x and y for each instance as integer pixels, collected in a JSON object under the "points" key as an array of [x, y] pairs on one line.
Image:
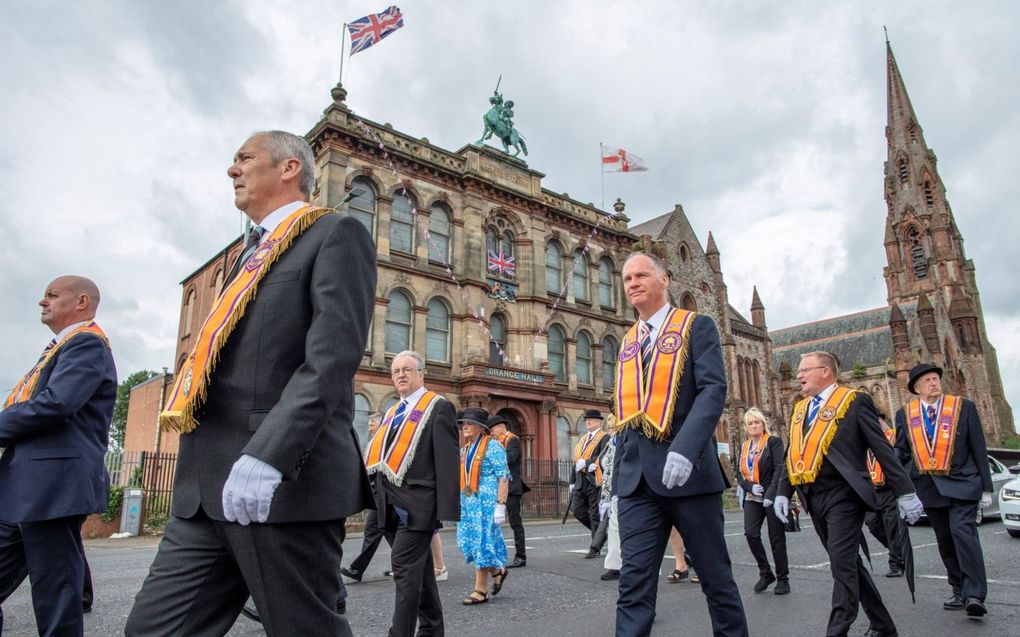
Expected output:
{"points": [[373, 28], [502, 264]]}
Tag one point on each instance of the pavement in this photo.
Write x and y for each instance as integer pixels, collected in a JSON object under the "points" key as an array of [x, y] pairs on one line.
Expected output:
{"points": [[559, 593]]}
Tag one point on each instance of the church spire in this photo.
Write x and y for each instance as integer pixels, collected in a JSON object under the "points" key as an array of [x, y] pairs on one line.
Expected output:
{"points": [[902, 129]]}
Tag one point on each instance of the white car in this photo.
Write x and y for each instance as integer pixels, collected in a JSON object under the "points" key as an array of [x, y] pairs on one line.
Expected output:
{"points": [[1000, 476], [1009, 506]]}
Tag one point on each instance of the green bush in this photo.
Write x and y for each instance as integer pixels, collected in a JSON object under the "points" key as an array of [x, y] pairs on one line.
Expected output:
{"points": [[114, 504]]}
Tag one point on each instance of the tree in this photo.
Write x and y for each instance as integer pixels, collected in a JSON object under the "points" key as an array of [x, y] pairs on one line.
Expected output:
{"points": [[120, 408]]}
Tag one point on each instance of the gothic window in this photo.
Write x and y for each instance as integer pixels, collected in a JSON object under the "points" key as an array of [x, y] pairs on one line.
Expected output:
{"points": [[912, 131], [218, 281], [553, 268], [499, 248], [904, 172], [437, 332], [362, 409], [929, 198], [756, 372], [580, 276], [610, 352], [439, 234], [362, 207], [402, 225], [583, 355], [398, 323], [557, 353], [687, 302], [497, 339], [684, 254], [606, 283], [741, 390], [189, 312], [917, 255]]}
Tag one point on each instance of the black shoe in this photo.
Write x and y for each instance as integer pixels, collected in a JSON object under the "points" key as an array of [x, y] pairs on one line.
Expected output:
{"points": [[251, 613], [592, 554], [351, 573], [955, 602], [610, 574], [976, 607], [341, 606], [764, 582], [875, 633], [518, 562], [86, 609], [782, 587], [895, 571]]}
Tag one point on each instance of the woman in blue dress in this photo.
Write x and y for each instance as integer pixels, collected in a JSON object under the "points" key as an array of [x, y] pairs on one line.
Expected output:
{"points": [[483, 489]]}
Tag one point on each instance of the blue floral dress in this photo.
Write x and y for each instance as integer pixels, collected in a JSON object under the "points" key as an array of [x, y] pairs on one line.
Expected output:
{"points": [[479, 539]]}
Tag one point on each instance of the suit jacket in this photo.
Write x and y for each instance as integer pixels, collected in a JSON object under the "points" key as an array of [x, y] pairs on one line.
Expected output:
{"points": [[769, 466], [698, 408], [430, 491], [585, 477], [846, 461], [513, 460], [283, 389], [53, 466], [969, 472]]}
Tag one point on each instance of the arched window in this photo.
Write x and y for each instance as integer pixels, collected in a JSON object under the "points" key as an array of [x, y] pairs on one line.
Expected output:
{"points": [[218, 281], [929, 196], [499, 251], [439, 234], [437, 332], [684, 254], [362, 207], [564, 444], [401, 225], [688, 303], [580, 276], [362, 408], [553, 268], [557, 353], [610, 352], [904, 171], [756, 372], [398, 323], [606, 283], [189, 312], [918, 258], [741, 389], [497, 342], [583, 350]]}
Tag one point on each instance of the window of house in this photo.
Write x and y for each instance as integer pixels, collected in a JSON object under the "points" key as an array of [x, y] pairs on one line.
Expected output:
{"points": [[398, 323], [497, 340], [553, 268], [439, 234], [401, 225], [580, 276], [583, 355], [362, 408], [437, 332], [606, 283], [610, 352], [557, 353], [362, 207]]}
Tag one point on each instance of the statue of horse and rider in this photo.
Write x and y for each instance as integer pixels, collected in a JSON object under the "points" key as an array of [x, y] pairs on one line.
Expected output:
{"points": [[499, 122]]}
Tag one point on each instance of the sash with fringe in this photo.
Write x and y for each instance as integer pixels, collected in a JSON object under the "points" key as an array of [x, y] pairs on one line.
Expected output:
{"points": [[750, 469], [648, 403], [471, 459], [934, 457], [874, 467], [584, 449], [192, 382], [394, 462], [504, 438], [26, 386], [808, 448]]}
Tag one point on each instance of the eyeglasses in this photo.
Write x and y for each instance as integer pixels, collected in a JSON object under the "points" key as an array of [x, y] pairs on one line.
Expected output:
{"points": [[405, 370], [804, 370]]}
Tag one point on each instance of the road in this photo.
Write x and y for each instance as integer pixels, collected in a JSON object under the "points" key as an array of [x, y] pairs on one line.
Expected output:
{"points": [[559, 592]]}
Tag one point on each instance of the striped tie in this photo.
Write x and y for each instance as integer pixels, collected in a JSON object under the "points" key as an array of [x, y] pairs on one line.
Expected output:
{"points": [[398, 418], [646, 349], [929, 426], [249, 249], [46, 351], [816, 402]]}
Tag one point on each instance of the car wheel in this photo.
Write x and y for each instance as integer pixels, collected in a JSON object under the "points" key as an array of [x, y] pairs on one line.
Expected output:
{"points": [[1013, 532], [980, 517]]}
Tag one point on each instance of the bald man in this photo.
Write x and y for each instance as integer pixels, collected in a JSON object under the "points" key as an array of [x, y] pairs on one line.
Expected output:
{"points": [[54, 430]]}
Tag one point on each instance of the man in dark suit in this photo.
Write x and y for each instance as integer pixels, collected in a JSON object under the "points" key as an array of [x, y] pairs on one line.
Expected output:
{"points": [[415, 465], [268, 467], [512, 444], [831, 431], [885, 522], [587, 475], [671, 387], [54, 429], [940, 440], [373, 534]]}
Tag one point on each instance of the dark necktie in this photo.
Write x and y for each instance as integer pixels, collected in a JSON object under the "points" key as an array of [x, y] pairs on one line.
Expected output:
{"points": [[929, 426], [398, 419], [646, 349], [249, 249]]}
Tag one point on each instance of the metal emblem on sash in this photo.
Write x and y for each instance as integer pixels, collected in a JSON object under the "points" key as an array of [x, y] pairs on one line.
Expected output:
{"points": [[261, 254], [932, 463], [186, 387], [798, 417], [668, 343], [629, 352], [827, 414]]}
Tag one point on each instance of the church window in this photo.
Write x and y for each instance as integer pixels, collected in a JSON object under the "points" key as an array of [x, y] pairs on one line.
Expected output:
{"points": [[398, 323], [437, 332], [904, 172], [687, 302], [218, 281], [402, 225], [362, 207], [189, 312], [497, 339], [583, 354], [741, 387], [557, 353], [912, 131], [929, 197], [580, 276], [917, 255], [684, 255], [756, 372], [606, 283], [610, 352], [553, 268], [439, 234]]}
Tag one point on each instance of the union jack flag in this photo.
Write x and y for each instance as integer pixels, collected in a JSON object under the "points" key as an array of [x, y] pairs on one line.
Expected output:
{"points": [[373, 28], [502, 264]]}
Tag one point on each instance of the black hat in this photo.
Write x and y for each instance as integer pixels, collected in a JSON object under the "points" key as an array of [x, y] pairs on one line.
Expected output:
{"points": [[475, 416], [919, 371], [499, 420], [593, 413]]}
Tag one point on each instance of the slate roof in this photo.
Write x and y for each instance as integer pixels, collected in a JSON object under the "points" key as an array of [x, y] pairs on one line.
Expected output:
{"points": [[653, 227]]}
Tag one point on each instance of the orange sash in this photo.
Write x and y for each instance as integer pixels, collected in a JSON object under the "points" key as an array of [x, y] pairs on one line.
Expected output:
{"points": [[192, 381], [584, 449], [504, 438], [394, 462], [808, 448], [26, 386], [752, 474], [647, 403], [471, 459], [874, 467], [934, 457]]}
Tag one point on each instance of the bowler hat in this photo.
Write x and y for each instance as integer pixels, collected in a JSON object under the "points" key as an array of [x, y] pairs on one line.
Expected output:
{"points": [[919, 371], [475, 416], [499, 420], [593, 413]]}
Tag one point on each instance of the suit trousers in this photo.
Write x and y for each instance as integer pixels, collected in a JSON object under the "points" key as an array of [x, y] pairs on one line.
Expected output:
{"points": [[755, 513], [373, 536], [49, 554], [885, 525], [957, 537], [645, 522], [205, 569], [838, 517], [513, 515], [586, 503], [414, 577]]}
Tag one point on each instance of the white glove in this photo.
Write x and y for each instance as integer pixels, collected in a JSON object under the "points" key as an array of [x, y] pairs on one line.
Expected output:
{"points": [[986, 500], [782, 508], [579, 465], [570, 489], [591, 468], [757, 489], [910, 507], [249, 490], [766, 502], [603, 508], [499, 515], [676, 471]]}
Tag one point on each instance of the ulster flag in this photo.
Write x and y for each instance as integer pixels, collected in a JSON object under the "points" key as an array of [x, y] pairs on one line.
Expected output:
{"points": [[617, 160]]}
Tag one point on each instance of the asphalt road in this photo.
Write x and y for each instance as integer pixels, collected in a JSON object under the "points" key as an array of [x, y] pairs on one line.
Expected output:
{"points": [[559, 592]]}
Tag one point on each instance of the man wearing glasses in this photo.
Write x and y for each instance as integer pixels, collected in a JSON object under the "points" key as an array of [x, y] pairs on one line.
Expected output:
{"points": [[414, 461]]}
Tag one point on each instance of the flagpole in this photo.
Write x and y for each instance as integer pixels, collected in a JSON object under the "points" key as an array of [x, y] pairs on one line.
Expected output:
{"points": [[602, 174], [343, 33]]}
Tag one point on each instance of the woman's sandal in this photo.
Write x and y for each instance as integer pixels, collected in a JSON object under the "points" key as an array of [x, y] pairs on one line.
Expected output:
{"points": [[471, 600], [676, 576], [498, 586]]}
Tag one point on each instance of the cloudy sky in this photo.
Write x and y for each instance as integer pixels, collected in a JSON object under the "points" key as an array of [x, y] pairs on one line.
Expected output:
{"points": [[765, 120]]}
